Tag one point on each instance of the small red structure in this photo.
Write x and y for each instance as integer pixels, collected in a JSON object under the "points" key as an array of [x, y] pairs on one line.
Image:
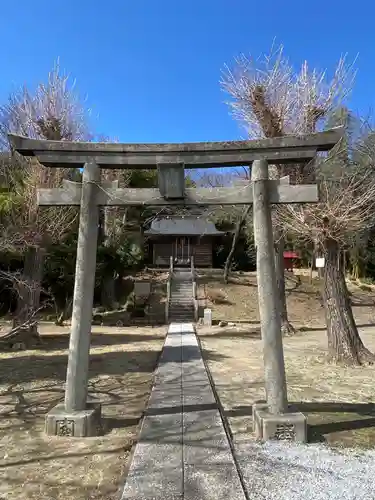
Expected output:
{"points": [[289, 259]]}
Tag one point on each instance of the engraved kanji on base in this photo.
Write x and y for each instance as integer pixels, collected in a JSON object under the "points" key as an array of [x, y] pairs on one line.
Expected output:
{"points": [[285, 432], [65, 427]]}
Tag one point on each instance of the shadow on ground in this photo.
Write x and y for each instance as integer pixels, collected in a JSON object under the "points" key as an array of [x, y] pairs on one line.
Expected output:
{"points": [[232, 332], [33, 365], [33, 380], [38, 488], [233, 280], [323, 327], [347, 424], [240, 331], [336, 423]]}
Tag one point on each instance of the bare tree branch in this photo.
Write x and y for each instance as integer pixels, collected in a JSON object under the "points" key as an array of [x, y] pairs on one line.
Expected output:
{"points": [[270, 99]]}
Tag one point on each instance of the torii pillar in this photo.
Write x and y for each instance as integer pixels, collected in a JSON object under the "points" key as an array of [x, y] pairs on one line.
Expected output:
{"points": [[77, 416], [273, 419]]}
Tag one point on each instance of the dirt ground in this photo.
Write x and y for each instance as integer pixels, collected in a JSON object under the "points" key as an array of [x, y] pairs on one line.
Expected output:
{"points": [[338, 401], [33, 466], [238, 300]]}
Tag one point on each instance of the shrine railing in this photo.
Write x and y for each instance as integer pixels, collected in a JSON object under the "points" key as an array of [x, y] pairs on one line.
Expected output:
{"points": [[195, 289], [169, 280]]}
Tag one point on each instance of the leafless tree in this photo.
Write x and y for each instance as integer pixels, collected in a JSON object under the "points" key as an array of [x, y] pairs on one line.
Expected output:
{"points": [[345, 212], [270, 99], [54, 112], [238, 215]]}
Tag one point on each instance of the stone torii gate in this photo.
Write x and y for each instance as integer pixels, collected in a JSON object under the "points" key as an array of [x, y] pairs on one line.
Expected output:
{"points": [[78, 417]]}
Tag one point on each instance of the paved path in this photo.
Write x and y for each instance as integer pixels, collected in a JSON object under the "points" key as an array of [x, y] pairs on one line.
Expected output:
{"points": [[183, 451]]}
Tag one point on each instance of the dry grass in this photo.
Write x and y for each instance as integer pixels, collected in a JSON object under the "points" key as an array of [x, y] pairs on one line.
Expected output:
{"points": [[151, 275], [304, 306], [340, 409], [234, 307], [239, 380], [34, 466]]}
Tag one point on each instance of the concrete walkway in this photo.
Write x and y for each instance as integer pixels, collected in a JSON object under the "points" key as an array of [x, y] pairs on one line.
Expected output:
{"points": [[183, 451]]}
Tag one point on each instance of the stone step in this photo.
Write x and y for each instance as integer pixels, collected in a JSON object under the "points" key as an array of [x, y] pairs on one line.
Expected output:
{"points": [[189, 298], [181, 319], [189, 314], [181, 303], [175, 318], [181, 310], [185, 294], [177, 307]]}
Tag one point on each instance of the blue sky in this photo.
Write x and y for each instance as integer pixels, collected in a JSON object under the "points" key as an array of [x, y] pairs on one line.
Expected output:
{"points": [[151, 69]]}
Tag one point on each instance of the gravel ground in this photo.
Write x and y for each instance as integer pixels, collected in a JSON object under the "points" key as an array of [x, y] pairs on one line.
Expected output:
{"points": [[283, 471]]}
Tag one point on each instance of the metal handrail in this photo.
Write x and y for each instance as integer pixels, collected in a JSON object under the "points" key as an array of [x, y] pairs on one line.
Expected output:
{"points": [[168, 300], [195, 290], [169, 289]]}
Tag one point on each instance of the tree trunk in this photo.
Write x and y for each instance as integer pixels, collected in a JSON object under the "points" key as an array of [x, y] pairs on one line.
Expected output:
{"points": [[344, 262], [235, 239], [344, 342], [358, 256], [108, 292], [29, 286], [311, 267], [64, 313], [286, 327]]}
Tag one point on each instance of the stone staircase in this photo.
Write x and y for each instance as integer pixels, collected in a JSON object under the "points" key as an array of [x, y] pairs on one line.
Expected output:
{"points": [[181, 304]]}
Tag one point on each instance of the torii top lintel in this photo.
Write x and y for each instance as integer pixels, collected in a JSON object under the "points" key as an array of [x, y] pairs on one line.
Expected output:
{"points": [[287, 149]]}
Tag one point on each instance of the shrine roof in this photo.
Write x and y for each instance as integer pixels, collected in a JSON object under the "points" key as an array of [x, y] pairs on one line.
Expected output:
{"points": [[184, 226]]}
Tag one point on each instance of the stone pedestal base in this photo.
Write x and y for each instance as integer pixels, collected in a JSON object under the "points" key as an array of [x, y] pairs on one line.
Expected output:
{"points": [[284, 427], [83, 423]]}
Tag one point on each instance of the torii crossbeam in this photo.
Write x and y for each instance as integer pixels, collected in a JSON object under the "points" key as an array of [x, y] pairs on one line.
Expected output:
{"points": [[288, 149]]}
